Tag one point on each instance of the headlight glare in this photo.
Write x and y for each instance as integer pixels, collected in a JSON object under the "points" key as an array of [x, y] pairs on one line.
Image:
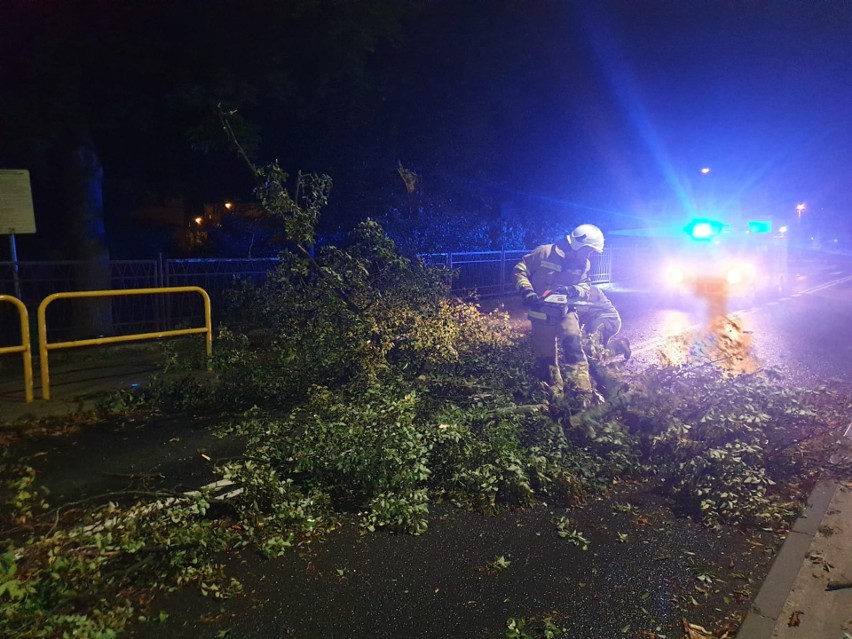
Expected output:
{"points": [[740, 273], [675, 275]]}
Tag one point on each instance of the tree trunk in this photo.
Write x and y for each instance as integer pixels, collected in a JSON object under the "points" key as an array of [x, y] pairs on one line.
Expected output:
{"points": [[84, 191]]}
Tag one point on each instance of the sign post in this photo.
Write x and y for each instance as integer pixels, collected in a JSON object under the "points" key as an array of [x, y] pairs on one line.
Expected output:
{"points": [[16, 212]]}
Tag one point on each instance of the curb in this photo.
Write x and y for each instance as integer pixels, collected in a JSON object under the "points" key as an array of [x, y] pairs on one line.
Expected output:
{"points": [[764, 612]]}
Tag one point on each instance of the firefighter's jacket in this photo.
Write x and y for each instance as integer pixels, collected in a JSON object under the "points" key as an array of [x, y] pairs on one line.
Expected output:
{"points": [[547, 268]]}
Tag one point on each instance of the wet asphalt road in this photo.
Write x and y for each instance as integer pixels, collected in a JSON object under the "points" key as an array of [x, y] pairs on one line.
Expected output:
{"points": [[806, 334], [440, 585]]}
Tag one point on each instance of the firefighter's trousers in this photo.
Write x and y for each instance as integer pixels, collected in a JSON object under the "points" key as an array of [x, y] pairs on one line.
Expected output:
{"points": [[551, 335]]}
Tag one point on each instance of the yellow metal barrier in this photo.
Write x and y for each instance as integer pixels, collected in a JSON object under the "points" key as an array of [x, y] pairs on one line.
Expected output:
{"points": [[45, 346], [24, 347]]}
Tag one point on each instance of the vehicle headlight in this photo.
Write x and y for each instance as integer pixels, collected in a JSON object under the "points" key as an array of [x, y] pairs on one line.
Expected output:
{"points": [[675, 275], [740, 273]]}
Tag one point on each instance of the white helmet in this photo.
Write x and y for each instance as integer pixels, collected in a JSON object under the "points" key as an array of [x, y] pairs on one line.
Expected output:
{"points": [[586, 235]]}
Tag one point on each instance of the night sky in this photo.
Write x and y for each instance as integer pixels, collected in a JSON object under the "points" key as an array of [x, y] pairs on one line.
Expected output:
{"points": [[583, 111]]}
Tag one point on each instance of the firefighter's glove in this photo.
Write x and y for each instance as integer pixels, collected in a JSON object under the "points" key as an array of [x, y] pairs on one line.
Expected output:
{"points": [[532, 300]]}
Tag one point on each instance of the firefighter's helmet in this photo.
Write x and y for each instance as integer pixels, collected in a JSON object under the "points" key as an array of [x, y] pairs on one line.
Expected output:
{"points": [[586, 235]]}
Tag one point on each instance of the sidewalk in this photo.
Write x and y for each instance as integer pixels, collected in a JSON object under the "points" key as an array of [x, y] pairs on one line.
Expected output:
{"points": [[77, 379]]}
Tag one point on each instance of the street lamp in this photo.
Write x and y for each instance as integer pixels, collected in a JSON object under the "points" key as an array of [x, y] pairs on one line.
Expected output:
{"points": [[800, 208]]}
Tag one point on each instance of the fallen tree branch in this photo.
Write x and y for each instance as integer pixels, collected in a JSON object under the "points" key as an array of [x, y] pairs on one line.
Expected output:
{"points": [[123, 493], [523, 409]]}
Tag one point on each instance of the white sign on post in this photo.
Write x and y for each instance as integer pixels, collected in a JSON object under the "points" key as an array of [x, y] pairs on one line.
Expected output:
{"points": [[16, 202]]}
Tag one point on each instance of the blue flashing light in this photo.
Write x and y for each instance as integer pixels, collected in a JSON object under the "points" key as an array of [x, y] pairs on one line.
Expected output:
{"points": [[702, 229], [760, 226]]}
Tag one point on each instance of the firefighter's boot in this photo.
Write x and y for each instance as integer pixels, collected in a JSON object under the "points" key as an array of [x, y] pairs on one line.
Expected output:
{"points": [[620, 346]]}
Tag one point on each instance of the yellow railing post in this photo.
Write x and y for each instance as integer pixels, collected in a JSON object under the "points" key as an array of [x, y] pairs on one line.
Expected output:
{"points": [[24, 347], [45, 346]]}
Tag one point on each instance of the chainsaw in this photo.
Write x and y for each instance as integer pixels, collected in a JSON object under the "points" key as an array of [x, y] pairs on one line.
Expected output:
{"points": [[557, 304]]}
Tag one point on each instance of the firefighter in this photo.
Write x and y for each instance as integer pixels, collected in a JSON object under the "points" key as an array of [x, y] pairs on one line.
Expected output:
{"points": [[564, 264]]}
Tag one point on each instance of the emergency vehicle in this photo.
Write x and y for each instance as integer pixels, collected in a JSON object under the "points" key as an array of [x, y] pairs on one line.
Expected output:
{"points": [[741, 261]]}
